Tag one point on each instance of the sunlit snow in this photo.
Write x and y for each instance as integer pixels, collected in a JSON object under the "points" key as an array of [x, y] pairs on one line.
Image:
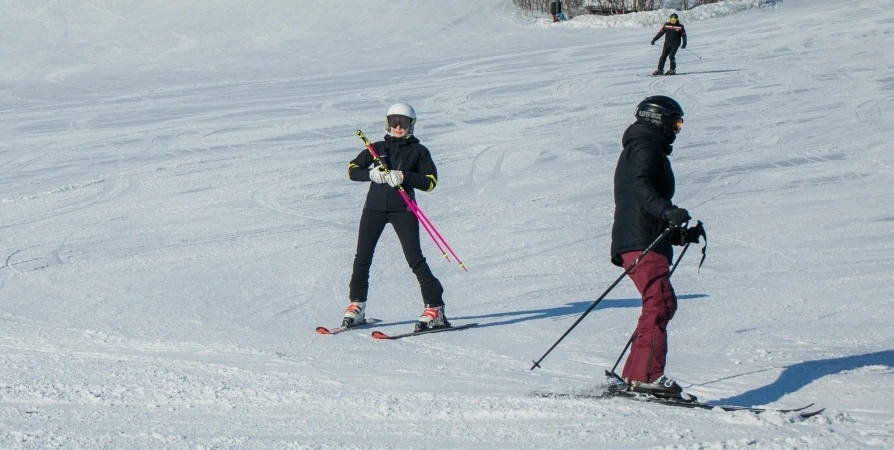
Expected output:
{"points": [[176, 219]]}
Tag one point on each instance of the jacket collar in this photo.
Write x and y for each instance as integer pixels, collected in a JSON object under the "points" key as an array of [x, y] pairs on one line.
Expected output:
{"points": [[645, 130], [401, 141]]}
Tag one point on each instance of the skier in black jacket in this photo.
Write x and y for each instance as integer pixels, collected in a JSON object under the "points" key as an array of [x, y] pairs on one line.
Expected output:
{"points": [[643, 189], [411, 167], [674, 33]]}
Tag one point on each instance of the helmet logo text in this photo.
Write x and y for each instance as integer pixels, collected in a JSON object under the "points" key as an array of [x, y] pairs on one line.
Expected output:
{"points": [[649, 115]]}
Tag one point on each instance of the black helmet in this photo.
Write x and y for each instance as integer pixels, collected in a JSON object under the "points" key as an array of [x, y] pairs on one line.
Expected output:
{"points": [[658, 110]]}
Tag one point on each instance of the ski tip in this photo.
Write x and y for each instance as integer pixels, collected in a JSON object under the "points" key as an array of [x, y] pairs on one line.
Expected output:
{"points": [[807, 415], [379, 335], [323, 330]]}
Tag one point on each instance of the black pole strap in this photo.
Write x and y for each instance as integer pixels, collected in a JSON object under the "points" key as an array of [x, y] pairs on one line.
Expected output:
{"points": [[701, 232]]}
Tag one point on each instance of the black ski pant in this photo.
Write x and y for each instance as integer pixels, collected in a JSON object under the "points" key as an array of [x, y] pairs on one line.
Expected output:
{"points": [[668, 52], [405, 224]]}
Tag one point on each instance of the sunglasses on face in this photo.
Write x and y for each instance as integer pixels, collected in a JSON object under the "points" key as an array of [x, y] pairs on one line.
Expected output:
{"points": [[399, 122]]}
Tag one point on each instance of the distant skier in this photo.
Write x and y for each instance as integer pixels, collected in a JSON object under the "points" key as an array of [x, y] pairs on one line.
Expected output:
{"points": [[555, 8], [643, 189], [674, 33], [411, 168]]}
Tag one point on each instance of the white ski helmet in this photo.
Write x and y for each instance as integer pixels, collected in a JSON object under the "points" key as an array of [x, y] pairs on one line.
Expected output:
{"points": [[401, 109]]}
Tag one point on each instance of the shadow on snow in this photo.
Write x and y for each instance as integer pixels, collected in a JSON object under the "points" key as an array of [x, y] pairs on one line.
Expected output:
{"points": [[568, 309], [796, 376]]}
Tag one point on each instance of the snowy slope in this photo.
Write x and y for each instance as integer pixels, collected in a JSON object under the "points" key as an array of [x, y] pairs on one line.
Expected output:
{"points": [[176, 220]]}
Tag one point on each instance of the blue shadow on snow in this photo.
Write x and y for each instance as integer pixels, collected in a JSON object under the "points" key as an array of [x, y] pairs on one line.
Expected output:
{"points": [[568, 309], [796, 376]]}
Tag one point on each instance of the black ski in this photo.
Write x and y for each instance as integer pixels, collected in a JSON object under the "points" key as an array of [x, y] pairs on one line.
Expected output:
{"points": [[690, 73], [692, 401], [664, 74], [699, 405], [683, 403], [368, 322], [680, 403], [380, 335]]}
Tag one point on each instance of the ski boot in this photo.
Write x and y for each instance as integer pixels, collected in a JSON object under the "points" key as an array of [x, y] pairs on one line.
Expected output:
{"points": [[658, 72], [433, 317], [355, 315], [663, 387], [671, 72]]}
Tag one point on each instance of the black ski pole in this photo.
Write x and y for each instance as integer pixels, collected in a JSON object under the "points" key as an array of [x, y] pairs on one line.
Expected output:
{"points": [[677, 262], [646, 251], [630, 341]]}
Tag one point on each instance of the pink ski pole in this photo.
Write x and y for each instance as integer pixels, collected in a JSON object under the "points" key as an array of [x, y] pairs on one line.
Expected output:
{"points": [[426, 224], [420, 216]]}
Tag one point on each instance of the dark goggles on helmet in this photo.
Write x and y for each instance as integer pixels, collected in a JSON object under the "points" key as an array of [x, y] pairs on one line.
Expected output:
{"points": [[397, 121], [678, 123]]}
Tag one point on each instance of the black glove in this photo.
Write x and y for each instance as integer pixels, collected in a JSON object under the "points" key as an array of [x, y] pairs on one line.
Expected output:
{"points": [[691, 235], [653, 42], [677, 216]]}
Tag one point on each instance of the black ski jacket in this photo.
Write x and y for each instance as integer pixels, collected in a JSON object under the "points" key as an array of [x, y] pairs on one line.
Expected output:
{"points": [[644, 186], [404, 154], [673, 33]]}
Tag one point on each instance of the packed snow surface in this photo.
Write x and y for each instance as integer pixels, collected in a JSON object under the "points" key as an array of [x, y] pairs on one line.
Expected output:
{"points": [[175, 220]]}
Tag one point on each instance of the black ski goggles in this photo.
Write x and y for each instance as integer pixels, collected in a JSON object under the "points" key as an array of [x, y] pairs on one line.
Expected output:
{"points": [[398, 121]]}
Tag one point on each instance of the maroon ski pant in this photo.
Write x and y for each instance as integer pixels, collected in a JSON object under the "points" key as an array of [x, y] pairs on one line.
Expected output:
{"points": [[648, 351]]}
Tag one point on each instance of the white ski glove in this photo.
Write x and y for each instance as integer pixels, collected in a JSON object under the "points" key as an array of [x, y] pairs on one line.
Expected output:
{"points": [[394, 178], [377, 175]]}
